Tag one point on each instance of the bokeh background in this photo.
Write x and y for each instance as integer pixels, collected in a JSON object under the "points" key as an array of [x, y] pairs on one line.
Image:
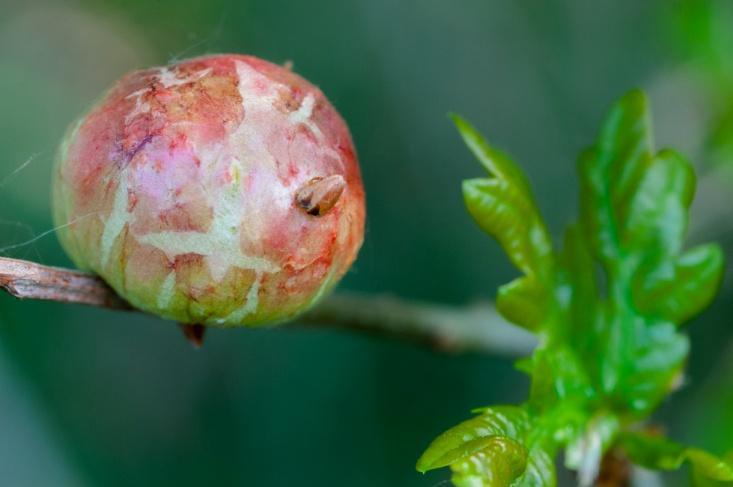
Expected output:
{"points": [[96, 398]]}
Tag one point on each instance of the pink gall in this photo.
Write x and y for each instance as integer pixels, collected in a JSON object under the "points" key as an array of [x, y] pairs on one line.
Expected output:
{"points": [[222, 190]]}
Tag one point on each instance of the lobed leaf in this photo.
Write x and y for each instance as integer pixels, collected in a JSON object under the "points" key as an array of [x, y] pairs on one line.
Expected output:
{"points": [[504, 207], [498, 164], [655, 215], [502, 212], [557, 375], [578, 294], [659, 453], [460, 441], [498, 463], [680, 293], [656, 367], [634, 213], [611, 173], [540, 471], [523, 302], [606, 309], [505, 463]]}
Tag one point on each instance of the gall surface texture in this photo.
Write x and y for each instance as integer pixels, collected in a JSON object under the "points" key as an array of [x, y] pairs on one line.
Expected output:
{"points": [[189, 189]]}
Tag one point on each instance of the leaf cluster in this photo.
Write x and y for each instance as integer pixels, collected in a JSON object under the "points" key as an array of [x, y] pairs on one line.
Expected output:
{"points": [[608, 307]]}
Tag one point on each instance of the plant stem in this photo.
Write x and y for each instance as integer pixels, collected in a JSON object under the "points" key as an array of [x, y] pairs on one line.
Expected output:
{"points": [[456, 329], [28, 280], [448, 328], [615, 470]]}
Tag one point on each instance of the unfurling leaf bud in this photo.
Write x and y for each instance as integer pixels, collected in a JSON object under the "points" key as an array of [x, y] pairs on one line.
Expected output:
{"points": [[222, 190]]}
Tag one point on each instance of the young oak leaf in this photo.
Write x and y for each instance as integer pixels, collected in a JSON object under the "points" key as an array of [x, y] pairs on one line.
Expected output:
{"points": [[489, 451], [540, 471], [578, 295], [611, 172], [667, 285], [523, 302], [607, 309], [462, 441], [655, 370], [503, 206], [499, 462], [684, 289], [659, 453], [504, 212], [494, 161], [657, 213], [505, 463], [634, 208]]}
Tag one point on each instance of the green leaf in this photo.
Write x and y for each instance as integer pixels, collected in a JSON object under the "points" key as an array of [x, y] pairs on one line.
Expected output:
{"points": [[540, 471], [503, 463], [655, 220], [498, 463], [557, 375], [496, 163], [691, 285], [577, 294], [634, 213], [634, 205], [504, 213], [606, 310], [655, 367], [523, 302], [699, 479], [504, 207], [611, 173], [659, 453], [500, 421]]}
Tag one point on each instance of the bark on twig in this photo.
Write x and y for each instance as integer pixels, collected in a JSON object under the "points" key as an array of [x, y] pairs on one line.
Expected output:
{"points": [[28, 280], [477, 328]]}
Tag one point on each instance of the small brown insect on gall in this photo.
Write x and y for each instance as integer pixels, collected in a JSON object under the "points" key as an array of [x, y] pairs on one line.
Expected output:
{"points": [[319, 195]]}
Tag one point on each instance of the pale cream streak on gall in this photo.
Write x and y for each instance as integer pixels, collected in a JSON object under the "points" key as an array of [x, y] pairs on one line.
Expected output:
{"points": [[166, 291], [117, 219], [221, 245], [303, 116], [250, 303]]}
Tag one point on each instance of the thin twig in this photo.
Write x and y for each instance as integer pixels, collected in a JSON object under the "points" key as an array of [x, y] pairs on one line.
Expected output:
{"points": [[477, 328], [448, 328], [28, 280]]}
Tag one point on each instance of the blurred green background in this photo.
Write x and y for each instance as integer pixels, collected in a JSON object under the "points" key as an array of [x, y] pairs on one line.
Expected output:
{"points": [[90, 397]]}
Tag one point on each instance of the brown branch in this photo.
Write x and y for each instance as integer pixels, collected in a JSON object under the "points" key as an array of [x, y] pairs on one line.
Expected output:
{"points": [[477, 328], [615, 470], [28, 280]]}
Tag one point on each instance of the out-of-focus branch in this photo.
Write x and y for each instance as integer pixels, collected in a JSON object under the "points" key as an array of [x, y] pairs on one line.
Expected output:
{"points": [[477, 328], [449, 328]]}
